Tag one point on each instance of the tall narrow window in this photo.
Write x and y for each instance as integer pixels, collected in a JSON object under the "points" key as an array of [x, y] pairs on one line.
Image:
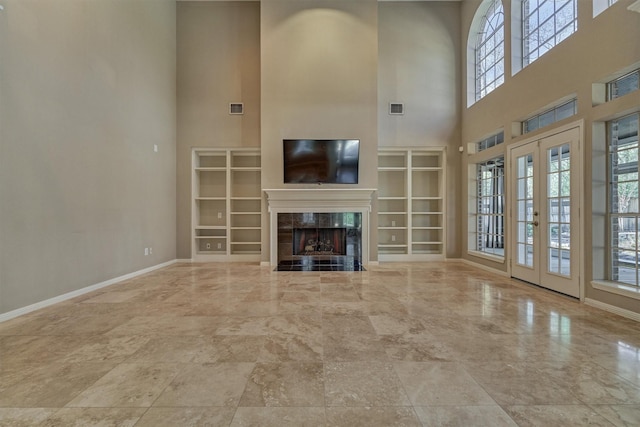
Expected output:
{"points": [[624, 211], [545, 23], [490, 51], [490, 209]]}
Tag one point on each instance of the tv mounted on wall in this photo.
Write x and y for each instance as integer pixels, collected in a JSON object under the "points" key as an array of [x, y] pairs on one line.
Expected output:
{"points": [[321, 161]]}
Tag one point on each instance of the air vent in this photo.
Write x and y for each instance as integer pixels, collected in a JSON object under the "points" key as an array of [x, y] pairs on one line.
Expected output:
{"points": [[236, 108], [396, 108]]}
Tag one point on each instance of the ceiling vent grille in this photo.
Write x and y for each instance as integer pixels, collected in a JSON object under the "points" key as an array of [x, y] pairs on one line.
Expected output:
{"points": [[396, 108], [236, 108]]}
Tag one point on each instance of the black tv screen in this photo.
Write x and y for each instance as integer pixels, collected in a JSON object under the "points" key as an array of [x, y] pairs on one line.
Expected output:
{"points": [[318, 161]]}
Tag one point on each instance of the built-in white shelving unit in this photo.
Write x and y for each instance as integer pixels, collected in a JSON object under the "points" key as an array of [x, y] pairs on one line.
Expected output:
{"points": [[411, 204], [227, 205]]}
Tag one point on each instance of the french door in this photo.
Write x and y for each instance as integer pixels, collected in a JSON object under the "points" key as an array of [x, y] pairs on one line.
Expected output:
{"points": [[544, 213]]}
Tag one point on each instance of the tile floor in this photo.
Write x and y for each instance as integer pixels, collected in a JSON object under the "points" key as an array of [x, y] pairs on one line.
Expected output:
{"points": [[401, 344]]}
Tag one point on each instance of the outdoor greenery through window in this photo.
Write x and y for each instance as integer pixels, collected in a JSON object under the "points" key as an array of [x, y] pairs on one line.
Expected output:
{"points": [[623, 85], [553, 115], [545, 23], [490, 51], [624, 211], [490, 209]]}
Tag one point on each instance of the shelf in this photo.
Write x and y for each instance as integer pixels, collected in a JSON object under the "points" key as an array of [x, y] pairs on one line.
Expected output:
{"points": [[411, 201], [227, 203], [213, 169]]}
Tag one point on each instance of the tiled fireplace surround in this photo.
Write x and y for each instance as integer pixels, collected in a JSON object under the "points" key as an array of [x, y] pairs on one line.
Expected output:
{"points": [[287, 209]]}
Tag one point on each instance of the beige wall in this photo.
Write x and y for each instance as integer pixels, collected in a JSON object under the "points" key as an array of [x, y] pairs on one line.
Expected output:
{"points": [[86, 89], [319, 80], [419, 65], [218, 63], [324, 69], [602, 48]]}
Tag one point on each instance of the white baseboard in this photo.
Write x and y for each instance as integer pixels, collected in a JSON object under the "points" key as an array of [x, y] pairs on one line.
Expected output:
{"points": [[613, 309], [484, 267], [64, 297], [186, 260]]}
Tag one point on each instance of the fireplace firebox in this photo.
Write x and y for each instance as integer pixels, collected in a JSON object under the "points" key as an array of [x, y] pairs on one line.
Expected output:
{"points": [[320, 241]]}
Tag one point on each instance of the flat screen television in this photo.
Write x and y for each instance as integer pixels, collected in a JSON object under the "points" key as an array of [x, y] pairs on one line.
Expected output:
{"points": [[321, 161]]}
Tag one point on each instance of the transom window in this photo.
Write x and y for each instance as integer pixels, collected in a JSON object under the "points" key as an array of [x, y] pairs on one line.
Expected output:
{"points": [[545, 23], [552, 115], [623, 85], [490, 51], [624, 209], [489, 142]]}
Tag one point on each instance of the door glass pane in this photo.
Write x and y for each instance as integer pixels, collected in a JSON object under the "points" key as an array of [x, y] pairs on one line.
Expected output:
{"points": [[525, 215], [558, 203]]}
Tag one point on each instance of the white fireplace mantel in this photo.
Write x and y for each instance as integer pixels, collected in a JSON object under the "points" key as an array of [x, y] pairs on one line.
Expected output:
{"points": [[294, 200]]}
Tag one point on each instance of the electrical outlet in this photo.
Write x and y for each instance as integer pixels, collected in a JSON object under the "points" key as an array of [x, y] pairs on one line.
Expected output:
{"points": [[393, 237], [208, 245], [219, 245], [155, 148], [146, 251], [219, 215], [393, 223], [150, 251]]}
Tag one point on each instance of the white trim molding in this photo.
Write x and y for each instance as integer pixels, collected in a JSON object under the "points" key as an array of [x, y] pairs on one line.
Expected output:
{"points": [[484, 267], [69, 295], [613, 309], [616, 288]]}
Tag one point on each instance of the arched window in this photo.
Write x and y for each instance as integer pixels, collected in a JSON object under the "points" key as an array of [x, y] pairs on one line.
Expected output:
{"points": [[489, 51], [544, 25]]}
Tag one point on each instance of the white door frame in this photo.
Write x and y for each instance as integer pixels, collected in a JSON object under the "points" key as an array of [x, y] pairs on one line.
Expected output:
{"points": [[511, 193]]}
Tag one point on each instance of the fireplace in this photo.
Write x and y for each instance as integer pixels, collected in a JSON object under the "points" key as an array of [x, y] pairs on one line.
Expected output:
{"points": [[319, 229], [319, 241]]}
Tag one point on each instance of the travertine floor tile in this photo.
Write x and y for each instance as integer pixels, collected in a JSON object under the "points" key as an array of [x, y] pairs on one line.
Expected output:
{"points": [[209, 384], [285, 384], [430, 344], [128, 385], [186, 416], [440, 383], [389, 416], [363, 384], [95, 417], [468, 416], [279, 417], [556, 415]]}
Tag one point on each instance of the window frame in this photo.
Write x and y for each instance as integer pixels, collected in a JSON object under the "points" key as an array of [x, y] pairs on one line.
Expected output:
{"points": [[613, 216], [474, 160], [552, 40], [481, 63]]}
